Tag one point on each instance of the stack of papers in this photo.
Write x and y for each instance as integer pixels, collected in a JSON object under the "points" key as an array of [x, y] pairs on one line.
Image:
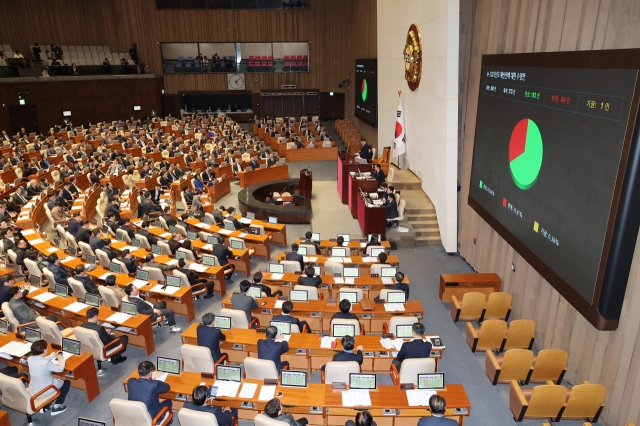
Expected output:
{"points": [[266, 393], [162, 377], [363, 245], [285, 338], [242, 235], [312, 259], [44, 297], [119, 317], [418, 397], [338, 280], [18, 349], [201, 225], [394, 307], [327, 341], [224, 231], [245, 221], [76, 307], [350, 280], [227, 388], [130, 248], [37, 241], [172, 262], [139, 283], [387, 280], [207, 247], [356, 397], [166, 235], [104, 276], [248, 390], [197, 267], [277, 276], [168, 289], [32, 288], [28, 232], [347, 260], [368, 259], [67, 259], [52, 249], [278, 304], [391, 344]]}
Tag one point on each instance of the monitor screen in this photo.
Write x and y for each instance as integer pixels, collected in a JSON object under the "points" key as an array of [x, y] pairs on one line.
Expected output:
{"points": [[3, 326], [315, 236], [366, 81], [273, 219], [91, 260], [181, 254], [135, 243], [66, 113], [208, 260], [351, 272], [396, 297], [137, 108], [71, 251], [276, 268], [388, 272], [157, 250], [373, 235], [92, 300], [229, 226], [32, 335], [283, 327], [173, 229], [128, 308], [212, 239], [341, 330], [302, 251], [347, 237], [119, 236], [251, 215], [168, 365], [299, 295], [296, 379], [62, 290], [255, 292], [431, 381], [351, 296], [229, 372], [404, 331], [34, 281], [114, 267], [237, 245], [316, 271], [173, 281], [208, 220], [374, 252], [254, 230], [88, 422], [338, 252], [141, 274], [192, 235], [362, 381], [222, 322], [157, 224], [71, 346], [56, 242]]}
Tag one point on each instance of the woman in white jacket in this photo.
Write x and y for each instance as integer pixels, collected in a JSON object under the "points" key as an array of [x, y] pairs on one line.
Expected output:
{"points": [[41, 369]]}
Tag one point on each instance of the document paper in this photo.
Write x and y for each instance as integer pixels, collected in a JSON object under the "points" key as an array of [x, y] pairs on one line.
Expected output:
{"points": [[418, 397], [227, 388], [266, 393], [356, 397], [248, 390]]}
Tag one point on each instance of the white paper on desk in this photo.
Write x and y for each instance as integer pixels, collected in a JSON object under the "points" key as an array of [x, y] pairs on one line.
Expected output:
{"points": [[104, 276], [386, 343], [28, 232], [130, 248], [356, 397], [168, 289], [277, 276], [44, 297], [34, 242], [32, 288], [387, 280], [162, 377], [52, 249], [369, 259], [285, 338], [198, 267], [394, 307], [75, 307], [224, 231], [245, 220], [278, 304], [67, 259], [326, 341], [338, 280], [418, 397], [201, 225], [139, 283], [17, 349], [172, 262], [312, 259], [397, 344], [347, 260], [248, 390], [266, 393], [242, 235], [363, 245], [76, 208], [166, 235], [350, 280], [119, 317], [335, 259], [207, 247], [227, 388], [26, 206]]}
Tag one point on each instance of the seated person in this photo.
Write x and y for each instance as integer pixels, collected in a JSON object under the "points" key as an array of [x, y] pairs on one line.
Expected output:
{"points": [[398, 285], [146, 308], [7, 281], [41, 370], [257, 282], [147, 389], [87, 282], [106, 334], [224, 415], [392, 208], [236, 222], [307, 241], [242, 301], [287, 307], [110, 283], [363, 418], [293, 255], [127, 259], [194, 278], [209, 336], [269, 199], [416, 348], [23, 313], [308, 278], [437, 406], [273, 409], [345, 307], [270, 349], [340, 241], [348, 343]]}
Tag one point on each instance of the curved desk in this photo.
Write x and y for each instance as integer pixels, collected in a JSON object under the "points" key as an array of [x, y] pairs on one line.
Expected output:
{"points": [[249, 201], [263, 175]]}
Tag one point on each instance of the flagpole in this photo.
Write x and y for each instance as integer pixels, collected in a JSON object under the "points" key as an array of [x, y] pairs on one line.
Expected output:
{"points": [[401, 159]]}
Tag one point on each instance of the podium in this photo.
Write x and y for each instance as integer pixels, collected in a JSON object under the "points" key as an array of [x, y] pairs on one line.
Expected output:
{"points": [[372, 220], [306, 180], [355, 185], [346, 165]]}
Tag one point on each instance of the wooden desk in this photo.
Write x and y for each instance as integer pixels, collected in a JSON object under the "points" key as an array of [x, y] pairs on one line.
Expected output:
{"points": [[4, 419], [355, 185], [363, 262], [260, 242], [354, 244], [263, 175], [459, 284], [311, 154], [372, 220], [81, 368], [278, 231], [345, 167], [220, 189]]}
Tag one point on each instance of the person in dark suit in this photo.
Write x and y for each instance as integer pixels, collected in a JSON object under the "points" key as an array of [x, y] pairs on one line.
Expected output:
{"points": [[363, 418], [287, 307], [222, 253], [398, 285], [378, 174], [73, 226], [270, 349], [147, 390], [156, 193], [416, 348], [148, 205], [83, 234], [96, 241], [45, 163], [6, 282], [345, 307], [18, 197], [307, 241], [154, 310], [271, 161], [392, 208], [269, 199], [224, 415], [32, 188], [174, 243], [242, 301], [254, 163], [236, 222], [106, 334], [60, 274], [87, 282], [309, 279], [210, 337], [257, 282], [183, 266], [273, 409], [438, 406], [294, 256], [366, 152], [145, 233], [114, 206], [348, 343], [168, 218], [127, 259]]}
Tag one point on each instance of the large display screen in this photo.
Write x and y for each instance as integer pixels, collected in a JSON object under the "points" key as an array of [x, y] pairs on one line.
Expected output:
{"points": [[549, 147], [367, 90]]}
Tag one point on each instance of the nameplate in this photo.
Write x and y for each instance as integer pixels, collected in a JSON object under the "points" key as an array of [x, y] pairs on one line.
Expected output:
{"points": [[315, 314], [283, 298], [404, 386], [333, 240], [389, 412], [206, 375], [266, 311], [238, 346], [338, 385], [287, 284], [261, 330], [301, 351], [337, 275], [270, 381], [298, 272], [375, 275], [331, 301], [451, 284], [369, 354], [379, 300], [367, 316], [387, 336]]}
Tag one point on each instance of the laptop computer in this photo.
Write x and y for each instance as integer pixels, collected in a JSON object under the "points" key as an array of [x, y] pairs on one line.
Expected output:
{"points": [[347, 237], [297, 379], [92, 300], [299, 295], [208, 260], [302, 251], [351, 296], [338, 252], [71, 346], [223, 323], [404, 331], [351, 272], [276, 268], [32, 335], [115, 268], [362, 381], [157, 250], [341, 330], [231, 373], [396, 297], [168, 365], [129, 308], [374, 252], [284, 327], [61, 290], [388, 272], [89, 422], [433, 381]]}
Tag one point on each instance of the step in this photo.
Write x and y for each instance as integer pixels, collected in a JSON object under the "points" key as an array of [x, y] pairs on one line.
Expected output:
{"points": [[427, 241], [427, 232], [424, 224], [421, 217], [416, 211]]}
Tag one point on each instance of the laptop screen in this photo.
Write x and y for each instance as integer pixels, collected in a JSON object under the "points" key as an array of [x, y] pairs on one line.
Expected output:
{"points": [[174, 281], [222, 322], [341, 330], [229, 372], [181, 255], [119, 236], [114, 267], [128, 308], [315, 236], [88, 422], [351, 296], [62, 290], [92, 300], [91, 260], [388, 272], [396, 297], [157, 224], [173, 229], [302, 251], [293, 378], [237, 245], [431, 381], [351, 272], [316, 271], [273, 219], [135, 243], [255, 292], [404, 331], [362, 381], [192, 235], [208, 260], [251, 215], [299, 295], [32, 335], [71, 251], [347, 237], [254, 230], [208, 220], [276, 268], [157, 250], [212, 239], [338, 252], [141, 274], [71, 346], [376, 251], [34, 281], [229, 226], [4, 326], [283, 327], [168, 365]]}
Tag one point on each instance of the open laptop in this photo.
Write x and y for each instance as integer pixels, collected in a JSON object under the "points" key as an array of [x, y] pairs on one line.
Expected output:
{"points": [[231, 373], [157, 250], [173, 281], [374, 252], [142, 275], [276, 268], [347, 237], [299, 295], [92, 300], [181, 255], [251, 215], [362, 381], [70, 347], [434, 381], [91, 263], [315, 236], [168, 365], [296, 379], [229, 226], [4, 327], [351, 296], [61, 290], [89, 422], [302, 251], [255, 292], [115, 268], [396, 297], [273, 219], [129, 308], [237, 245], [338, 252], [192, 235], [284, 327], [208, 260], [341, 330], [34, 281], [351, 272], [388, 272], [135, 243], [32, 335], [211, 239], [404, 331], [223, 323]]}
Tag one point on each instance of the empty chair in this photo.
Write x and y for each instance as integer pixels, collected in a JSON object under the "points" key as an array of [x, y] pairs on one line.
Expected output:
{"points": [[144, 243], [331, 268], [490, 336], [166, 248], [515, 364], [17, 397], [238, 318], [91, 343], [338, 371], [549, 364], [311, 249], [520, 334], [50, 331], [410, 368], [154, 273], [291, 266], [541, 402], [470, 309], [189, 254], [260, 369], [103, 258], [584, 401], [498, 306], [130, 413]]}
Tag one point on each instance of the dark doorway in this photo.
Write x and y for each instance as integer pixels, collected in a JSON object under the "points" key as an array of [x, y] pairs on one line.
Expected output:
{"points": [[24, 116]]}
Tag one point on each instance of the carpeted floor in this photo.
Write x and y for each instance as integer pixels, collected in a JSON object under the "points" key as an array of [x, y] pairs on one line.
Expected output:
{"points": [[422, 264]]}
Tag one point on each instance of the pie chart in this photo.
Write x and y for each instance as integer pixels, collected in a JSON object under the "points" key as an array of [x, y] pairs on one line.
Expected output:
{"points": [[364, 90], [525, 153]]}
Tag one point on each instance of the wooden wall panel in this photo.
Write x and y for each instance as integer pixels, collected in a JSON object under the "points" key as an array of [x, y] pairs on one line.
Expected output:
{"points": [[510, 26]]}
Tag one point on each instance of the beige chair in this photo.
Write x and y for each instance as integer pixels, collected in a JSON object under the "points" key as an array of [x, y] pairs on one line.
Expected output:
{"points": [[196, 418], [291, 266], [135, 413], [103, 259], [163, 222], [264, 420], [515, 364], [144, 243], [33, 268], [86, 249], [50, 278], [377, 267], [17, 397], [396, 321], [238, 318], [338, 371], [410, 368], [15, 325], [196, 289], [260, 369], [123, 267], [109, 297], [359, 328], [358, 291], [51, 333], [312, 292], [181, 230], [198, 359], [166, 249], [189, 254], [91, 343], [368, 250], [154, 273], [122, 234], [470, 309], [79, 292], [498, 306], [311, 249], [549, 364], [490, 336], [331, 268], [71, 241], [520, 334]]}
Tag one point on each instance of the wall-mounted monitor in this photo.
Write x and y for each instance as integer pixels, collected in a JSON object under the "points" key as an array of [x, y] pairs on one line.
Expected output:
{"points": [[66, 113], [366, 82], [137, 108]]}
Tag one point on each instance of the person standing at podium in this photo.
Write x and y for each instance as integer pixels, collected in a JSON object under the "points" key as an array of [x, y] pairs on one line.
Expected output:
{"points": [[366, 152]]}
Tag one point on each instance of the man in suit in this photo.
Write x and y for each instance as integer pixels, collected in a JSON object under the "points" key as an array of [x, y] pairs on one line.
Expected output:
{"points": [[111, 221], [127, 259], [287, 307], [59, 273], [309, 279], [271, 161], [21, 252], [242, 301], [208, 176], [345, 307], [416, 348], [106, 334], [222, 253], [73, 225], [363, 418], [209, 336], [307, 241], [294, 256], [168, 218], [21, 310], [273, 409], [154, 310], [87, 282], [438, 406], [148, 390], [217, 214], [148, 205], [107, 249], [6, 282], [149, 262], [156, 193], [114, 206], [254, 163], [392, 208], [378, 174], [237, 167], [270, 349], [32, 188], [224, 415], [348, 343], [236, 222], [145, 233], [95, 241], [174, 242], [83, 234], [18, 196], [365, 151]]}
